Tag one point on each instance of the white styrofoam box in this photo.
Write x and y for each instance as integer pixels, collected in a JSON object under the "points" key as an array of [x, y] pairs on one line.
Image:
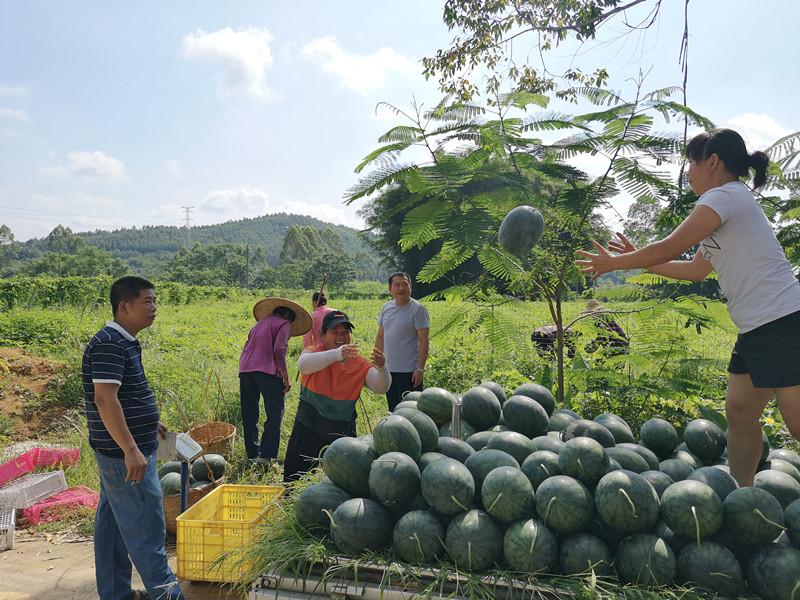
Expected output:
{"points": [[30, 489], [7, 523]]}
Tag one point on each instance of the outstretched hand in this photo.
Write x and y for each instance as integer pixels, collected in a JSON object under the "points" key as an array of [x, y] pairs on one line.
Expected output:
{"points": [[349, 351], [623, 246], [378, 358], [596, 264]]}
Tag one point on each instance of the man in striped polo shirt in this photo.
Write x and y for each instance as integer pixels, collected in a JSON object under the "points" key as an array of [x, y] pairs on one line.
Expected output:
{"points": [[123, 422]]}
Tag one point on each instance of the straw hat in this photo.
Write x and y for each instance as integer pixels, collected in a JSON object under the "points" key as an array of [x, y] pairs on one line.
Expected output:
{"points": [[593, 306], [302, 320]]}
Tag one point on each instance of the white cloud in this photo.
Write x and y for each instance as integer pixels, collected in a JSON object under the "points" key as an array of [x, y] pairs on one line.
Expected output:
{"points": [[361, 73], [758, 130], [12, 91], [247, 202], [91, 165], [242, 57], [243, 202], [173, 168], [13, 114], [95, 165]]}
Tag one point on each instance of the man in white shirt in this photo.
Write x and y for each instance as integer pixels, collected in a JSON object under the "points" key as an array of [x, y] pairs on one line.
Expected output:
{"points": [[403, 332]]}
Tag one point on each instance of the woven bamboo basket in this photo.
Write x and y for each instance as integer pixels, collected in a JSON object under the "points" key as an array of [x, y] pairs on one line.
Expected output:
{"points": [[215, 438], [172, 503]]}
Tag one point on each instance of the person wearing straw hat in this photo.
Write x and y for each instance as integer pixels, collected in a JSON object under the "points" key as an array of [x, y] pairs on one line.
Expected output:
{"points": [[262, 372], [616, 342], [333, 375]]}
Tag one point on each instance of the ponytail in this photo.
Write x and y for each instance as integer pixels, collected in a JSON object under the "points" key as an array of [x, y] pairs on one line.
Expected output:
{"points": [[759, 161], [731, 149]]}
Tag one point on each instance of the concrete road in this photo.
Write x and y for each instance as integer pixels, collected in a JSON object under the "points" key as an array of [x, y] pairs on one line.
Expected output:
{"points": [[59, 569]]}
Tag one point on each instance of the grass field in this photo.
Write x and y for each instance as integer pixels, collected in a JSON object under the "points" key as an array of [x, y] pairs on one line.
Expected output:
{"points": [[190, 345]]}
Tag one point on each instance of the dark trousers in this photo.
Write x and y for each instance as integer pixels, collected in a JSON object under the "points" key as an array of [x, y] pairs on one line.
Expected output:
{"points": [[251, 386], [305, 446], [401, 383]]}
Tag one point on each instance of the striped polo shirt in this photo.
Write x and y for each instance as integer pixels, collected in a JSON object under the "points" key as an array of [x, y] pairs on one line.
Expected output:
{"points": [[114, 356]]}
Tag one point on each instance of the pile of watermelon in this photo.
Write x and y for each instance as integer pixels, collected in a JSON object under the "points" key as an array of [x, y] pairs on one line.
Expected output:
{"points": [[532, 489], [204, 470]]}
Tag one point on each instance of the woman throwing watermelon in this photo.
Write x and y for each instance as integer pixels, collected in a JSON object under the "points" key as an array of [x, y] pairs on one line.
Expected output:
{"points": [[763, 295]]}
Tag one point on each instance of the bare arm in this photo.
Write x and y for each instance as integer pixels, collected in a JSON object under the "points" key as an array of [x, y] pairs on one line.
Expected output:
{"points": [[690, 270], [696, 269], [701, 223], [105, 397], [379, 338], [423, 339]]}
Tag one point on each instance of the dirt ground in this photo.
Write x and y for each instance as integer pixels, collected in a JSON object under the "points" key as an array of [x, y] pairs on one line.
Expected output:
{"points": [[62, 568], [23, 380]]}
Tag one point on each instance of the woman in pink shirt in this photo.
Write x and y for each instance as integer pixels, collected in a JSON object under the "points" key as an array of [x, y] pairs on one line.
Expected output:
{"points": [[262, 372], [319, 302]]}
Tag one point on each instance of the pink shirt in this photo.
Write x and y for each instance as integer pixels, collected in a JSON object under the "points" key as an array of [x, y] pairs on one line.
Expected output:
{"points": [[314, 335], [265, 350]]}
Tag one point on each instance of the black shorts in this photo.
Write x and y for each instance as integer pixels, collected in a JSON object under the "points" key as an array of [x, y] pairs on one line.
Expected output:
{"points": [[770, 353]]}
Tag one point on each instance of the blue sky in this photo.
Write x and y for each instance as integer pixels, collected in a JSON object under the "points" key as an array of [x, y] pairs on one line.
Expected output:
{"points": [[118, 114]]}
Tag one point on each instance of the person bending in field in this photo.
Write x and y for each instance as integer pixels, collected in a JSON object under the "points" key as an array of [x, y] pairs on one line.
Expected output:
{"points": [[123, 421], [763, 296], [613, 340], [332, 375], [319, 302], [262, 373]]}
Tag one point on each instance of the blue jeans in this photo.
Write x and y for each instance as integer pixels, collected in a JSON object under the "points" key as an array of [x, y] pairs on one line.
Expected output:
{"points": [[129, 527], [252, 385]]}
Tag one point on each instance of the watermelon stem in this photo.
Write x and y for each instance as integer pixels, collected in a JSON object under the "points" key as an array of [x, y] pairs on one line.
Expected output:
{"points": [[489, 508], [583, 471], [457, 503], [546, 470], [419, 546], [533, 541], [795, 588], [469, 554], [696, 524], [763, 516], [628, 498], [547, 512], [716, 574], [330, 516]]}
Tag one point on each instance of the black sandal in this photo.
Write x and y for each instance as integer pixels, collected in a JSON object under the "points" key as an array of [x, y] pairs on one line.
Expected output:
{"points": [[138, 595]]}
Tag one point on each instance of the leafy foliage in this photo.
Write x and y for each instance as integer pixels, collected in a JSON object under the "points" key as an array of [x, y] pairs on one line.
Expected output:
{"points": [[446, 209], [488, 33]]}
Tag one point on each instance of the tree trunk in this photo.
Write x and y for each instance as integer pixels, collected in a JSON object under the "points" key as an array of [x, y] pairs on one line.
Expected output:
{"points": [[559, 347]]}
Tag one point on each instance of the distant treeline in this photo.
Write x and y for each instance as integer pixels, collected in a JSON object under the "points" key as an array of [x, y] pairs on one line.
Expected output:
{"points": [[274, 250], [47, 292]]}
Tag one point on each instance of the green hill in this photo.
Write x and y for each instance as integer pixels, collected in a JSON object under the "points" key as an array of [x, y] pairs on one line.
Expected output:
{"points": [[148, 249]]}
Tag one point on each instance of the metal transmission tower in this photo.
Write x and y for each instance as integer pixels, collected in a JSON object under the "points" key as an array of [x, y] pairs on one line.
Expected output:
{"points": [[188, 219]]}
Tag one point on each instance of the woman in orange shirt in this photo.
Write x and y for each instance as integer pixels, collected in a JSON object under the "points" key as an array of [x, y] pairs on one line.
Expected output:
{"points": [[332, 376]]}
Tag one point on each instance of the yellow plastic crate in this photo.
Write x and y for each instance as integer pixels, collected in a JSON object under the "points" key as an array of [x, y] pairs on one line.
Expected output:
{"points": [[223, 522]]}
